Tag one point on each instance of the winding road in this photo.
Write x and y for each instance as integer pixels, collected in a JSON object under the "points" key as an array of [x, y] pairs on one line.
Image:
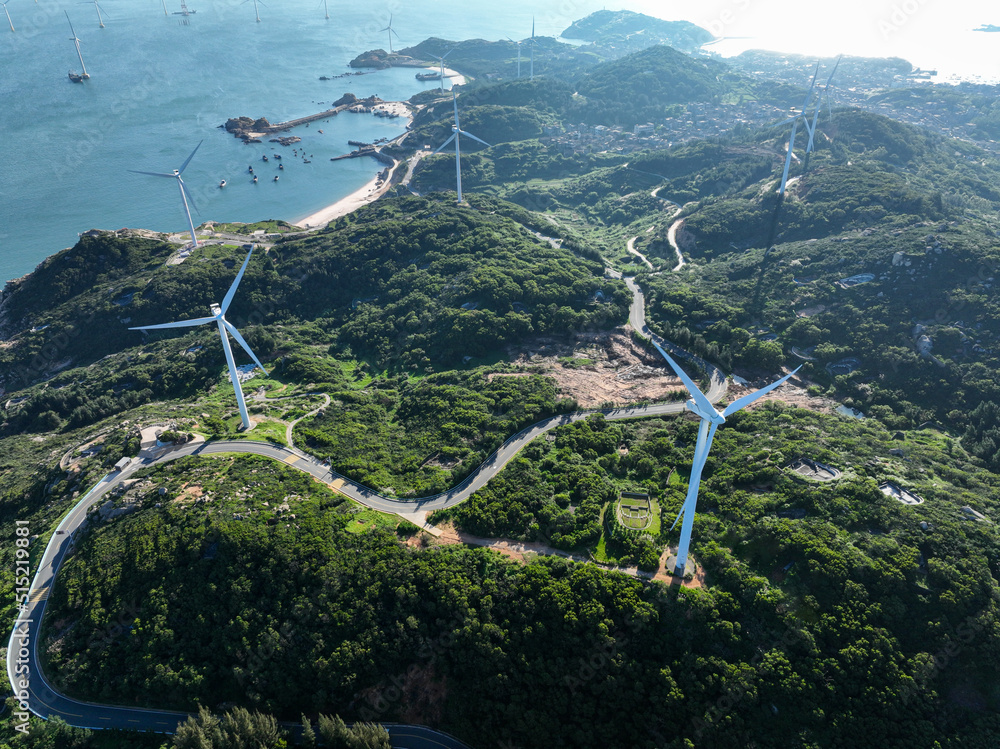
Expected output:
{"points": [[38, 695]]}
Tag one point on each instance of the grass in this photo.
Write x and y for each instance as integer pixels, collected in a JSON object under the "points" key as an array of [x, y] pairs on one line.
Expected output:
{"points": [[571, 361], [366, 519]]}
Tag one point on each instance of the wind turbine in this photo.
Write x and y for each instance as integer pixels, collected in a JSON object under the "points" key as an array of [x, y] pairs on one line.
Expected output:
{"points": [[518, 57], [794, 119], [711, 419], [185, 195], [255, 9], [826, 90], [162, 2], [99, 19], [219, 317], [79, 54], [456, 130], [391, 32], [531, 68], [326, 10], [8, 15], [441, 61]]}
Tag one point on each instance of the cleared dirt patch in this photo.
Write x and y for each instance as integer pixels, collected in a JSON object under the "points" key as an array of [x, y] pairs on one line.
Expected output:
{"points": [[621, 372]]}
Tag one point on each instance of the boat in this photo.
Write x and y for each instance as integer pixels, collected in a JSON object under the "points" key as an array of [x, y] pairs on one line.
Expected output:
{"points": [[281, 166], [255, 179], [428, 76], [275, 177], [277, 156], [306, 161], [320, 132], [250, 168], [77, 78], [222, 184], [184, 10], [264, 157]]}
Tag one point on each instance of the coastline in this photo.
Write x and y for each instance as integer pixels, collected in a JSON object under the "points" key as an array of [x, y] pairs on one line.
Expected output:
{"points": [[367, 193], [370, 191]]}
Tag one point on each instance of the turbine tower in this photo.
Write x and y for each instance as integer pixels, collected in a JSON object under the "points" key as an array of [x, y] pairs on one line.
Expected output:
{"points": [[75, 41], [794, 119], [100, 20], [711, 419], [326, 10], [440, 59], [456, 130], [164, 4], [518, 57], [219, 317], [185, 195], [826, 90], [255, 9], [531, 67], [7, 13], [391, 32]]}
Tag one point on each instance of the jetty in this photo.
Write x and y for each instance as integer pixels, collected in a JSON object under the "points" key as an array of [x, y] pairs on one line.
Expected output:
{"points": [[248, 128]]}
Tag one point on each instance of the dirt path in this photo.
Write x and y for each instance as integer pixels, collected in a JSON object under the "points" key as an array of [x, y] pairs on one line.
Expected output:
{"points": [[672, 238], [291, 424], [631, 248]]}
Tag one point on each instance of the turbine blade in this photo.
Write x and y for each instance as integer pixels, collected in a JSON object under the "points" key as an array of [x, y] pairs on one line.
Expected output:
{"points": [[442, 146], [232, 289], [187, 194], [836, 65], [71, 25], [246, 347], [746, 400], [679, 516], [152, 174], [699, 397], [786, 122], [470, 135], [179, 324], [188, 161], [452, 50]]}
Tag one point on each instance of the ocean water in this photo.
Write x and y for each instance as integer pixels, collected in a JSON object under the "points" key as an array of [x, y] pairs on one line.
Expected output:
{"points": [[159, 87]]}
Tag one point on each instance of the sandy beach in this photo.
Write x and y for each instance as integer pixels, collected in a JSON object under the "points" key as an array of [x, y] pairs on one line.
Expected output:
{"points": [[372, 190], [368, 193]]}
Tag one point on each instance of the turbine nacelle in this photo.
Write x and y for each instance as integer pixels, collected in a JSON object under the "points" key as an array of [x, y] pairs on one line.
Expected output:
{"points": [[708, 414], [216, 310]]}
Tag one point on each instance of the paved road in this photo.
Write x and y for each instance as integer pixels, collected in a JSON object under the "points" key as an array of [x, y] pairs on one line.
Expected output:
{"points": [[46, 702]]}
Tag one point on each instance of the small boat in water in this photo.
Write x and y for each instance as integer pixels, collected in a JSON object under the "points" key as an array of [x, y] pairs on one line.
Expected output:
{"points": [[275, 177], [250, 168], [281, 166], [277, 156], [255, 179], [222, 184], [264, 157]]}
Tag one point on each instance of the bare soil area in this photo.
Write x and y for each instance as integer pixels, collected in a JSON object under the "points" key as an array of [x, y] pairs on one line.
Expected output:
{"points": [[621, 371], [793, 393]]}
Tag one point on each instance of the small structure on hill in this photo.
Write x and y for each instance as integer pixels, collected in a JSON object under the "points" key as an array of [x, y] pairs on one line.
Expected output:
{"points": [[814, 470], [900, 494]]}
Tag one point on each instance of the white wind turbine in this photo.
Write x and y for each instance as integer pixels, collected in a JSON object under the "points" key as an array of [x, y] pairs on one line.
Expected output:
{"points": [[255, 9], [440, 59], [391, 32], [185, 195], [100, 20], [456, 130], [219, 317], [326, 10], [518, 57], [531, 66], [79, 54], [8, 15], [826, 90], [794, 119], [711, 419]]}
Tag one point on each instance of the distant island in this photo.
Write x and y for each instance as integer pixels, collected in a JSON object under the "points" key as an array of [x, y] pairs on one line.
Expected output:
{"points": [[988, 27]]}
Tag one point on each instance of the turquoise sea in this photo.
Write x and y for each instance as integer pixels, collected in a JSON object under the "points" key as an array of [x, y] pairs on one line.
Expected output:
{"points": [[160, 86]]}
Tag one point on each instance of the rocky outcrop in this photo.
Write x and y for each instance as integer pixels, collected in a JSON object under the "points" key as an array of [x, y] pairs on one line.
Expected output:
{"points": [[374, 58], [245, 127]]}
